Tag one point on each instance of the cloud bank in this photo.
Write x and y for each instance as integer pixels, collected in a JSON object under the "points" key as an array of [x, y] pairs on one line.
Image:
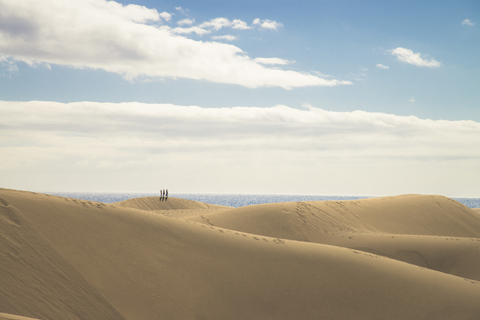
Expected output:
{"points": [[134, 41], [235, 149], [408, 56]]}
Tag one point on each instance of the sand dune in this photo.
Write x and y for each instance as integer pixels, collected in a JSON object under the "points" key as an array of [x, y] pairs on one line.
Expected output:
{"points": [[429, 231], [68, 259], [312, 220], [153, 203]]}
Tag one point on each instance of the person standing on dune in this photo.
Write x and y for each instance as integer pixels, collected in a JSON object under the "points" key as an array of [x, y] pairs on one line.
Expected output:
{"points": [[166, 195]]}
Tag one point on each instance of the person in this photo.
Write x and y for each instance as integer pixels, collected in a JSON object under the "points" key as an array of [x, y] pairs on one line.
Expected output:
{"points": [[166, 195]]}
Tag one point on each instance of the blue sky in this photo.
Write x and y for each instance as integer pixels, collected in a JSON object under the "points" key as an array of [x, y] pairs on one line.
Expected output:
{"points": [[355, 94], [344, 39]]}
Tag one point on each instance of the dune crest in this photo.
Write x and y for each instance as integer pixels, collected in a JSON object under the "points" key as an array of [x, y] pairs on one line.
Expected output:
{"points": [[430, 231], [406, 214], [154, 203], [138, 260]]}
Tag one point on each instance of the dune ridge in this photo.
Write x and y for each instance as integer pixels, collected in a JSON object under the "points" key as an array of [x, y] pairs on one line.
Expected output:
{"points": [[429, 231], [138, 259]]}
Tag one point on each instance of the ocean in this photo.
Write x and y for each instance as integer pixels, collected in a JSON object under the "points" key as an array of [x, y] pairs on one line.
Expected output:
{"points": [[227, 199]]}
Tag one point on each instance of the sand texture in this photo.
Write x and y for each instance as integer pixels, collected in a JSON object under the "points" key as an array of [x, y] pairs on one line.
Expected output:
{"points": [[6, 316], [405, 257]]}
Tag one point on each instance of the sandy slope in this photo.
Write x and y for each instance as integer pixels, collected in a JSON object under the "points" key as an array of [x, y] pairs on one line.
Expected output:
{"points": [[70, 258], [429, 231], [36, 280], [313, 220], [7, 316]]}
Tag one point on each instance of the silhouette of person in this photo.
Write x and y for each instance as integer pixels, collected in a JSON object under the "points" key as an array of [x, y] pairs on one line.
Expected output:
{"points": [[166, 194]]}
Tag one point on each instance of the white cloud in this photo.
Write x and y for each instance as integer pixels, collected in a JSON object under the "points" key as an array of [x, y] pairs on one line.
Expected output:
{"points": [[216, 24], [131, 12], [407, 55], [273, 61], [267, 24], [210, 26], [227, 37], [240, 25], [186, 21], [467, 22], [195, 29], [219, 23], [165, 15], [257, 149], [106, 35], [381, 66], [411, 100]]}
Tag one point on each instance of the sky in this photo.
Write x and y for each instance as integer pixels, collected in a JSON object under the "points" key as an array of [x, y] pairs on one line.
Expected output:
{"points": [[301, 97]]}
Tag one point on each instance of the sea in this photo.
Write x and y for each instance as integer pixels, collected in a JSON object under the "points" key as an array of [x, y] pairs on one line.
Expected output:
{"points": [[230, 199]]}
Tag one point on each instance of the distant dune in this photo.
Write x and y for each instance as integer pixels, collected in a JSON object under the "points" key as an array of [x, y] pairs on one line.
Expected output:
{"points": [[405, 257]]}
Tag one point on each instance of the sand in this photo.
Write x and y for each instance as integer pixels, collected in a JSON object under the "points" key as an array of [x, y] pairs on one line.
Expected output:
{"points": [[405, 257], [6, 316]]}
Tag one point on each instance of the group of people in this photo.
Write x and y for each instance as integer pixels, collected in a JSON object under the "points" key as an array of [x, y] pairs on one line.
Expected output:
{"points": [[164, 195]]}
